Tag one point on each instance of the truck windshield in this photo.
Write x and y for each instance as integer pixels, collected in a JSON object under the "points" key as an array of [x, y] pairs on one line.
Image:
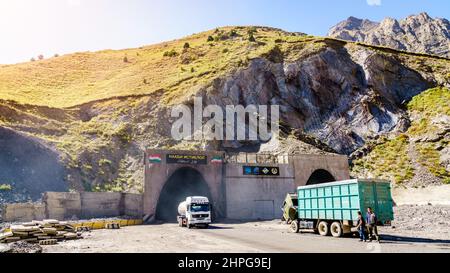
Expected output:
{"points": [[199, 207]]}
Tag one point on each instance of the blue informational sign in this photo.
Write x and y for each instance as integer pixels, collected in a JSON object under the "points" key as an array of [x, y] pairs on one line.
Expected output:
{"points": [[248, 170], [261, 170]]}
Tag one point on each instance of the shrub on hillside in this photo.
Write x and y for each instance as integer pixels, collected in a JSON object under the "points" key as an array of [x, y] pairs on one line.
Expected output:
{"points": [[233, 33], [274, 55], [251, 38], [5, 187], [252, 31], [170, 53], [123, 133]]}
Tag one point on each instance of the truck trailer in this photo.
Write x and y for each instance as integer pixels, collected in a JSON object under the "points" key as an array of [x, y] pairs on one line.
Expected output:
{"points": [[195, 211], [332, 208]]}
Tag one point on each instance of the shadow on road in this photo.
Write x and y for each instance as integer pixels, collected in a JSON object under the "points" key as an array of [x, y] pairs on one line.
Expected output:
{"points": [[234, 222], [212, 226], [217, 227], [397, 239]]}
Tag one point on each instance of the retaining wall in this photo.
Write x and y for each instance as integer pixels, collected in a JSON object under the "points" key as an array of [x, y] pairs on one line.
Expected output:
{"points": [[71, 206], [23, 212]]}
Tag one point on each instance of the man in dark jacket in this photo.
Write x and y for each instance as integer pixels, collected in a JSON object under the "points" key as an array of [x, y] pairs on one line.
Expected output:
{"points": [[371, 220], [361, 227]]}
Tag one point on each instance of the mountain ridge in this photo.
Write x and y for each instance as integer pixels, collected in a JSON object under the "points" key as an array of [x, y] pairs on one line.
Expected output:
{"points": [[416, 33]]}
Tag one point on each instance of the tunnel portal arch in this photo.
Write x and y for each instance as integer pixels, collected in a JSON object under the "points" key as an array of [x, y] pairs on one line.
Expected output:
{"points": [[320, 176], [182, 183]]}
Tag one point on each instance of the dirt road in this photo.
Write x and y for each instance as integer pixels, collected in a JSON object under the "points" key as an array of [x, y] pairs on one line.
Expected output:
{"points": [[238, 237]]}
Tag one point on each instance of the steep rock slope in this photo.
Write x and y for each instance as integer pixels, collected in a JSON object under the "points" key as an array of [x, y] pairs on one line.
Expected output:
{"points": [[419, 156], [417, 33]]}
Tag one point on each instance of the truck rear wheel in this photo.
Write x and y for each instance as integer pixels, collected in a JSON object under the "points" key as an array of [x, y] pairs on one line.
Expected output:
{"points": [[294, 228], [336, 229], [323, 228]]}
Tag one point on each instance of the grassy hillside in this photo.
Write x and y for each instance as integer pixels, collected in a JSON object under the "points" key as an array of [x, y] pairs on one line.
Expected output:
{"points": [[401, 157], [173, 66]]}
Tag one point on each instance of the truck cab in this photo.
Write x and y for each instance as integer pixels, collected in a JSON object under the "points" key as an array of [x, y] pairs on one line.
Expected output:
{"points": [[194, 212], [289, 208]]}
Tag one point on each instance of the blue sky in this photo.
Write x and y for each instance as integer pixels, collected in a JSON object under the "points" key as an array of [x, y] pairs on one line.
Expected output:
{"points": [[32, 27]]}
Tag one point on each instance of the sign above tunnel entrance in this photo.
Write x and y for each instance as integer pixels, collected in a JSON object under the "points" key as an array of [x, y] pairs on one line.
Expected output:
{"points": [[186, 159], [261, 170]]}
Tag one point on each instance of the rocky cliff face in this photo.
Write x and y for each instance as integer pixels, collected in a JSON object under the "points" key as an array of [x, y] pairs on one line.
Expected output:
{"points": [[416, 33], [340, 97]]}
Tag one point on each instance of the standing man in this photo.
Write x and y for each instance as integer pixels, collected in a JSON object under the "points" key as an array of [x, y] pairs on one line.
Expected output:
{"points": [[371, 219], [361, 227]]}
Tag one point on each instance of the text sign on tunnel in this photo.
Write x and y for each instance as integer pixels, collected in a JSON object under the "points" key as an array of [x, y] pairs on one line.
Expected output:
{"points": [[186, 159], [261, 170]]}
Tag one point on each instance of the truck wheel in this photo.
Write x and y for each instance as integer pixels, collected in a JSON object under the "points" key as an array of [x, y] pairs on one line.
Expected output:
{"points": [[294, 228], [336, 229], [323, 228]]}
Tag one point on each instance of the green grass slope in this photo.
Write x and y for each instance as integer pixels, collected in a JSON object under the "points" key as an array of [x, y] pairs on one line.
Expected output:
{"points": [[399, 158]]}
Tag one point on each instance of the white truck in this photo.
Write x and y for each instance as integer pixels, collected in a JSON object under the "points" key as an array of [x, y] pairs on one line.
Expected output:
{"points": [[195, 211]]}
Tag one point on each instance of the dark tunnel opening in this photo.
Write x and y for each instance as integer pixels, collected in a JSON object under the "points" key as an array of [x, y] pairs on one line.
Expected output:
{"points": [[183, 183], [319, 177]]}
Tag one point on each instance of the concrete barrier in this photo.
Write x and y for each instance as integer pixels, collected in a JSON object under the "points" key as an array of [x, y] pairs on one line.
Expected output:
{"points": [[133, 204], [69, 206], [101, 204], [62, 205], [23, 212]]}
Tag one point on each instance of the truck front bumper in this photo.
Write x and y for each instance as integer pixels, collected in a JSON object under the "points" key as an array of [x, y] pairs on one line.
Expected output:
{"points": [[199, 222]]}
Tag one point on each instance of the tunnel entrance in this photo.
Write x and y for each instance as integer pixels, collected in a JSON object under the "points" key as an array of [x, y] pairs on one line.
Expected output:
{"points": [[183, 183], [319, 177]]}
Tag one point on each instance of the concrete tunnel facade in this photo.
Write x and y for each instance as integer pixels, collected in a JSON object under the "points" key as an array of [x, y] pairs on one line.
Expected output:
{"points": [[234, 194]]}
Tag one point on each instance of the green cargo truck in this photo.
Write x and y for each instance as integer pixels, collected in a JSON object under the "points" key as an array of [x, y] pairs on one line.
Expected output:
{"points": [[332, 208]]}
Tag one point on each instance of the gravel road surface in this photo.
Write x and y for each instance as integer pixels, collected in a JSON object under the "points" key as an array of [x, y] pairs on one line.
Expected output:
{"points": [[257, 237]]}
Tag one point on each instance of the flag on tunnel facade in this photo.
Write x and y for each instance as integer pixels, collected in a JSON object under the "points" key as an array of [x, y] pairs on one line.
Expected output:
{"points": [[155, 158], [216, 160]]}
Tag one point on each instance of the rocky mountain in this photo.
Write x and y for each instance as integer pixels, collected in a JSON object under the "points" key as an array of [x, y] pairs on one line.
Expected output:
{"points": [[81, 121], [417, 33]]}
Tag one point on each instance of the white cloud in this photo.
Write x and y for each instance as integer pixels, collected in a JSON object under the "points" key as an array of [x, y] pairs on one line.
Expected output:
{"points": [[374, 2]]}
